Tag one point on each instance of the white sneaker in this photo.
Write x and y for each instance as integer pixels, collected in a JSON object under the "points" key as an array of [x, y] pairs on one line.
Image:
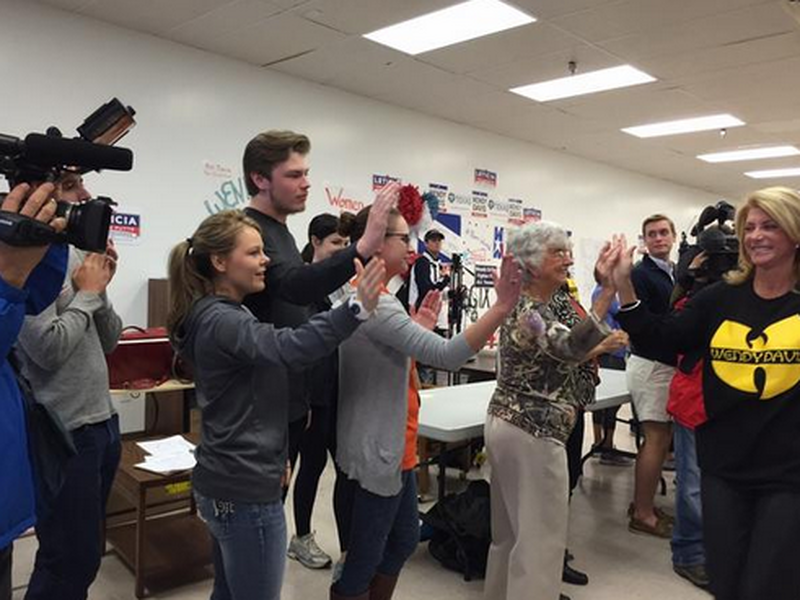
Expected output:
{"points": [[305, 550]]}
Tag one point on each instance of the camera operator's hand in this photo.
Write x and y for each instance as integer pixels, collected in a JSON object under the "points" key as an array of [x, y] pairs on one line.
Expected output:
{"points": [[112, 258], [16, 263], [375, 232], [93, 275], [698, 261]]}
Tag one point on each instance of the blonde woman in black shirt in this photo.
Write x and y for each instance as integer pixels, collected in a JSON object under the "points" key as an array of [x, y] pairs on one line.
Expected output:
{"points": [[748, 328]]}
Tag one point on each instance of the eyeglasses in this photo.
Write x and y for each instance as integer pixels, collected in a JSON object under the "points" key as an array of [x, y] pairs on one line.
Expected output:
{"points": [[406, 238], [560, 253]]}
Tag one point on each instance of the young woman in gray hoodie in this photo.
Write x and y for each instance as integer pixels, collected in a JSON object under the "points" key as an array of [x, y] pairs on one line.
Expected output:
{"points": [[242, 456], [373, 406]]}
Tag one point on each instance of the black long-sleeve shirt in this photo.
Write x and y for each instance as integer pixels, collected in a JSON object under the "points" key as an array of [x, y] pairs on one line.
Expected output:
{"points": [[751, 378], [292, 286]]}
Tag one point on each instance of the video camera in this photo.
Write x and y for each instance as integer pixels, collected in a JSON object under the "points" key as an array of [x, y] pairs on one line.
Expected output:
{"points": [[715, 236], [41, 158]]}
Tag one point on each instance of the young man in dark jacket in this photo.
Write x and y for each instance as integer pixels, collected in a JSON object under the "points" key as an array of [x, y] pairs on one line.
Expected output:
{"points": [[649, 373], [276, 171]]}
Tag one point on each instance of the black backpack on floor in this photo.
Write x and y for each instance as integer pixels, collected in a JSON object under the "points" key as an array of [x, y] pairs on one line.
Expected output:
{"points": [[462, 530]]}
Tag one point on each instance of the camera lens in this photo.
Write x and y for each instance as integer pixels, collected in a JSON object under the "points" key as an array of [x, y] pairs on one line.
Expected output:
{"points": [[87, 223]]}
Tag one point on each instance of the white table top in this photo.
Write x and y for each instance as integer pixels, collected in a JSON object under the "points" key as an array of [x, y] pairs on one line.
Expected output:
{"points": [[457, 413]]}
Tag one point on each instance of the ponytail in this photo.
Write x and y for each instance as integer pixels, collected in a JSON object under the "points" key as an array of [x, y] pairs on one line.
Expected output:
{"points": [[191, 275]]}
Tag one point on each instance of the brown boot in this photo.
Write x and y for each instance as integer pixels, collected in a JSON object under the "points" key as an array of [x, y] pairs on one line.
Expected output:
{"points": [[382, 587], [335, 596]]}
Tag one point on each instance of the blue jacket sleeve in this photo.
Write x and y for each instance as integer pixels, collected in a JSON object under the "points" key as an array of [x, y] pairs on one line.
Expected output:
{"points": [[41, 290], [46, 280], [12, 314]]}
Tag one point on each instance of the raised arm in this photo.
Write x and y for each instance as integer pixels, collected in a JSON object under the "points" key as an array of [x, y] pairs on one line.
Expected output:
{"points": [[394, 328], [254, 343], [306, 284], [679, 331], [50, 338]]}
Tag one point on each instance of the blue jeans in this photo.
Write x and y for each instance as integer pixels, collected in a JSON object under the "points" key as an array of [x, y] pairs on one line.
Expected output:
{"points": [[70, 536], [383, 535], [687, 534], [249, 548]]}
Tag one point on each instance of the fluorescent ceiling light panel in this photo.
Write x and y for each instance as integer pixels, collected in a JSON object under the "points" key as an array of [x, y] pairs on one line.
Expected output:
{"points": [[774, 173], [585, 83], [707, 123], [750, 154], [449, 26]]}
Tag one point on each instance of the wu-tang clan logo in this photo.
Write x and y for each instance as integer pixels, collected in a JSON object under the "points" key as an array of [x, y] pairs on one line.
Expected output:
{"points": [[766, 363]]}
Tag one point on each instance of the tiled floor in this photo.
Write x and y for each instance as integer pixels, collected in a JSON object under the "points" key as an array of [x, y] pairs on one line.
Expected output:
{"points": [[620, 565]]}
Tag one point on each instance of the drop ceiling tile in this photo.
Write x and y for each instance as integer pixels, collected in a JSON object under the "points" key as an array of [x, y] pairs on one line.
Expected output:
{"points": [[70, 5], [782, 103], [680, 65], [619, 19], [150, 16], [352, 56], [728, 85], [636, 105], [549, 9], [273, 40], [222, 21], [490, 52], [733, 27], [363, 16], [543, 68]]}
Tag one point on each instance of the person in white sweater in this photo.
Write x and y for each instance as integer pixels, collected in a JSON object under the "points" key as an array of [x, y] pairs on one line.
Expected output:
{"points": [[62, 351], [373, 404]]}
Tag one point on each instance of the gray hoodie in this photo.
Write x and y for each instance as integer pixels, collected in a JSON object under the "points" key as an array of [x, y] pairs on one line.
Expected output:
{"points": [[240, 370]]}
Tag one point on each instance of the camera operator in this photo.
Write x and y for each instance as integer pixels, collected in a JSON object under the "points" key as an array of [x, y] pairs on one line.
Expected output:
{"points": [[699, 266], [63, 356], [30, 279]]}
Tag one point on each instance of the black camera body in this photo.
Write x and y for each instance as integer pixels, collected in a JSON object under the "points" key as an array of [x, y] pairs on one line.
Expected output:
{"points": [[44, 157], [714, 236]]}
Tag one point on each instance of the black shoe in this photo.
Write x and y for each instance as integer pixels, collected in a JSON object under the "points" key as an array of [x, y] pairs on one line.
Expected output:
{"points": [[573, 576], [563, 597], [695, 574]]}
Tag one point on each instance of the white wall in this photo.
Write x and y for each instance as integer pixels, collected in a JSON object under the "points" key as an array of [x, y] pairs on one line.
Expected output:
{"points": [[195, 107]]}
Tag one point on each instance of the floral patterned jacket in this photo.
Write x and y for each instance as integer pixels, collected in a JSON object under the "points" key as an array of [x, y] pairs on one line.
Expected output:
{"points": [[538, 357]]}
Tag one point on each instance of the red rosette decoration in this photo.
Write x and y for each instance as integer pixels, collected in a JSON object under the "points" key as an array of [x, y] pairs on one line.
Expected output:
{"points": [[410, 204]]}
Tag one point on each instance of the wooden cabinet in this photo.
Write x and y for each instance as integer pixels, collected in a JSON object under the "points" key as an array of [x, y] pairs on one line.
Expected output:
{"points": [[166, 544]]}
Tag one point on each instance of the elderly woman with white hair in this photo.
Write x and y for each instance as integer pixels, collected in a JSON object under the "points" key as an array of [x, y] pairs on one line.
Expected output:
{"points": [[531, 415]]}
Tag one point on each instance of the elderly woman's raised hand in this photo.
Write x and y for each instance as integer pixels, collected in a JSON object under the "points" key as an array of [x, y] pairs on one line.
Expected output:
{"points": [[616, 340], [604, 267], [508, 284]]}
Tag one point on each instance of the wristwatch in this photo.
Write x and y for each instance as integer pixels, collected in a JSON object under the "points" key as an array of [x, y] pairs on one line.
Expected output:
{"points": [[357, 309]]}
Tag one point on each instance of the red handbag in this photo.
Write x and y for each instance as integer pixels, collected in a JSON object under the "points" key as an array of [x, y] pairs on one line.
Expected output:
{"points": [[142, 359]]}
